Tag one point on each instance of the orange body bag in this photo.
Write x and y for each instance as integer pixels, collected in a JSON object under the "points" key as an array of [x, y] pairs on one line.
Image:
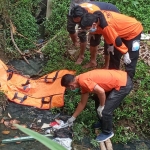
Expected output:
{"points": [[44, 93]]}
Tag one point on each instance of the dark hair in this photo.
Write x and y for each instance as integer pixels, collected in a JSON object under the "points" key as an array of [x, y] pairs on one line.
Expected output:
{"points": [[77, 11], [67, 79], [87, 20]]}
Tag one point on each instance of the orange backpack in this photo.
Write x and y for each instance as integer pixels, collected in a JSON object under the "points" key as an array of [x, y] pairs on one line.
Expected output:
{"points": [[44, 93]]}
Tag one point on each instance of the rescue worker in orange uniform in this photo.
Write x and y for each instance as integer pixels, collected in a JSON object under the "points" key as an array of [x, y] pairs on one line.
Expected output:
{"points": [[70, 23], [111, 87], [76, 13], [121, 32]]}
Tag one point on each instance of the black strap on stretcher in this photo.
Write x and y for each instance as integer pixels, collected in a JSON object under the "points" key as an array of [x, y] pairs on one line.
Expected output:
{"points": [[53, 79], [50, 100], [46, 102], [27, 82], [22, 99], [10, 74]]}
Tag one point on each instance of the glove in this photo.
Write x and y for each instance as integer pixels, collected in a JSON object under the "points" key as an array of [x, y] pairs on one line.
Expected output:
{"points": [[99, 110], [70, 121], [126, 58], [110, 49]]}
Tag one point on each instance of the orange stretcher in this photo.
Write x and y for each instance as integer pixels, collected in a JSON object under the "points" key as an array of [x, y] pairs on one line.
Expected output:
{"points": [[44, 93]]}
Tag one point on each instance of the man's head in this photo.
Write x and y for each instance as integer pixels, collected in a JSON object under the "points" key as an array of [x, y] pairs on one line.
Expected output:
{"points": [[69, 81], [77, 12], [89, 22]]}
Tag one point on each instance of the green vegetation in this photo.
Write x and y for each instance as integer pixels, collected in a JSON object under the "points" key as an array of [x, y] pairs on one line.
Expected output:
{"points": [[131, 118], [44, 140]]}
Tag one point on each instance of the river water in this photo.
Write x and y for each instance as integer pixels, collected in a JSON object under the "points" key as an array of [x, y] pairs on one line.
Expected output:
{"points": [[28, 115]]}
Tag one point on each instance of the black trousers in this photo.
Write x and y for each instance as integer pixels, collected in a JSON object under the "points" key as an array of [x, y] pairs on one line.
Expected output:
{"points": [[134, 55], [113, 100]]}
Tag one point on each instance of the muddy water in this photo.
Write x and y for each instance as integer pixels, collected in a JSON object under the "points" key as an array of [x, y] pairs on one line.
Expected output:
{"points": [[28, 115]]}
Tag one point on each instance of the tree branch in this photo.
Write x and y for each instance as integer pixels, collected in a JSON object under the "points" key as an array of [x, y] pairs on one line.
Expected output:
{"points": [[12, 38]]}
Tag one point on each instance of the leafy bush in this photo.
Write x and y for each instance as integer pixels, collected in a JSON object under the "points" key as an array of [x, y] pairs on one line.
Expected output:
{"points": [[58, 17], [21, 16]]}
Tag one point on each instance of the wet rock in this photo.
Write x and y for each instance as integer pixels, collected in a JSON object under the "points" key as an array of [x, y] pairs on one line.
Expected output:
{"points": [[126, 146]]}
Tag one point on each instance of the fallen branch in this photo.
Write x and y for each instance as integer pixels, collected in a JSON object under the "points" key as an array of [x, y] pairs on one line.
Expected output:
{"points": [[12, 38], [39, 51], [26, 38]]}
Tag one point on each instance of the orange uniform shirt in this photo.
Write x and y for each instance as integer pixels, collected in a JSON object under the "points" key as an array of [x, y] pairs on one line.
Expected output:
{"points": [[119, 25], [106, 79]]}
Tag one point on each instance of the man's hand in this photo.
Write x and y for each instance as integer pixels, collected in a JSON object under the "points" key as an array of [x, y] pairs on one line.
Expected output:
{"points": [[70, 121], [90, 36], [99, 110], [111, 49], [126, 58]]}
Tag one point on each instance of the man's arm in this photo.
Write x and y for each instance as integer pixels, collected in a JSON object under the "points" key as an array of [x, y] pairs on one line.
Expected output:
{"points": [[114, 39], [81, 105], [101, 94]]}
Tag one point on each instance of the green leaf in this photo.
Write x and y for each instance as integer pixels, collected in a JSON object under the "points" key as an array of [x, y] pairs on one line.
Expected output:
{"points": [[44, 140]]}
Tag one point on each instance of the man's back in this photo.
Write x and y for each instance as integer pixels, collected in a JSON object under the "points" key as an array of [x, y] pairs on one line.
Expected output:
{"points": [[105, 6], [107, 79]]}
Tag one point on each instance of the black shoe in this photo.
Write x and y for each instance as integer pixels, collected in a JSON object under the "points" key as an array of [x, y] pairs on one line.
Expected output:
{"points": [[103, 137]]}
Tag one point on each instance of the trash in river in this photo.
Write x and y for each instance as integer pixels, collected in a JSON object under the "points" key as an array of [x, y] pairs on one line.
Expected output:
{"points": [[49, 131], [64, 133], [53, 123], [58, 124], [45, 125], [19, 139], [16, 138], [9, 115], [28, 117], [65, 142], [5, 132]]}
